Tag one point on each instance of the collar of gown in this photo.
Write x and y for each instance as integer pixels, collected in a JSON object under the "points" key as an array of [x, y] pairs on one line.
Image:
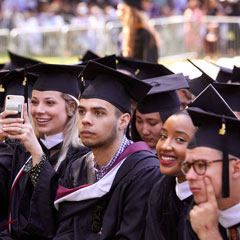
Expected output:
{"points": [[183, 190], [230, 216], [52, 140]]}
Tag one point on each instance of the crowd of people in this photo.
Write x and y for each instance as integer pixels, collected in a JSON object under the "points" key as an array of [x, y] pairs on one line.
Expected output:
{"points": [[57, 13], [118, 147]]}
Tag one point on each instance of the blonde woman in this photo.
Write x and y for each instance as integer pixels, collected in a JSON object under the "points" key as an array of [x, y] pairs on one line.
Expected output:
{"points": [[36, 154]]}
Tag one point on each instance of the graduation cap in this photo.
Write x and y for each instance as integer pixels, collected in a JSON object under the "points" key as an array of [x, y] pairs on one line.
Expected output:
{"points": [[162, 98], [140, 69], [230, 93], [18, 82], [134, 3], [218, 128], [17, 61], [113, 86], [224, 75], [89, 55], [197, 85], [109, 61], [56, 77], [235, 75]]}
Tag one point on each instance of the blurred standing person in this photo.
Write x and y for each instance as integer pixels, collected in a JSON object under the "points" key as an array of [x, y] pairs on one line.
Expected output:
{"points": [[139, 39], [192, 28], [211, 41]]}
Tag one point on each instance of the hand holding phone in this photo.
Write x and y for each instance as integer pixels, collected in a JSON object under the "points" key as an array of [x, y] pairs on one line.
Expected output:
{"points": [[14, 103]]}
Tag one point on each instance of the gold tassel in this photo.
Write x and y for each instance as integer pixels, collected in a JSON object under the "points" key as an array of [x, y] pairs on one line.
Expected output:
{"points": [[1, 88], [137, 72], [222, 130], [24, 81], [83, 81]]}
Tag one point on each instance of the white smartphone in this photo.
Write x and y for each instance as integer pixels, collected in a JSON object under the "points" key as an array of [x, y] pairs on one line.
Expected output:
{"points": [[14, 103]]}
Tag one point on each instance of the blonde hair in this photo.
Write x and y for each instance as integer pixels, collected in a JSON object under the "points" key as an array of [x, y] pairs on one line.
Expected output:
{"points": [[70, 131], [133, 18]]}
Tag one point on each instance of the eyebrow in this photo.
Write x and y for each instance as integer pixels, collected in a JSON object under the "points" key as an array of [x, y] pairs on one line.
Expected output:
{"points": [[94, 108], [181, 132], [44, 98]]}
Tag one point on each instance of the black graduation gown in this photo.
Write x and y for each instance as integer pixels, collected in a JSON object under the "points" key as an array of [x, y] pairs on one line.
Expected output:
{"points": [[31, 207], [166, 212], [145, 47], [5, 169], [121, 213], [189, 234]]}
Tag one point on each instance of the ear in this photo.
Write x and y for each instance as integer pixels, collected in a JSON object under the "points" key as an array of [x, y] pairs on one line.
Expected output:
{"points": [[124, 120], [72, 108], [235, 168]]}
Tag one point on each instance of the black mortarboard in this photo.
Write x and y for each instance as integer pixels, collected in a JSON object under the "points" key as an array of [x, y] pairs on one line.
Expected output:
{"points": [[134, 3], [140, 69], [162, 97], [224, 75], [218, 128], [17, 61], [56, 77], [17, 82], [113, 86], [235, 75], [197, 85], [230, 93], [89, 55], [109, 61]]}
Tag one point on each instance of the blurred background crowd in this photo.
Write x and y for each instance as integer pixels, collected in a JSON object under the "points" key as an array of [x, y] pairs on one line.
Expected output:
{"points": [[63, 28], [30, 13]]}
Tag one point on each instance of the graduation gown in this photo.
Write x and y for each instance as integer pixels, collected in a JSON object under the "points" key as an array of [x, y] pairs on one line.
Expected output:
{"points": [[119, 214], [166, 212], [31, 208], [145, 47]]}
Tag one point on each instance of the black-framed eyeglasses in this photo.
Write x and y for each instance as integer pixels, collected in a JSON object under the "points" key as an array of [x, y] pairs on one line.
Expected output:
{"points": [[199, 166]]}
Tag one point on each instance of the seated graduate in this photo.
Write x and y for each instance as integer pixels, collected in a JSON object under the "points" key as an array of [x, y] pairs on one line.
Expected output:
{"points": [[171, 195], [34, 154], [11, 84], [154, 109], [141, 70], [104, 194], [212, 168]]}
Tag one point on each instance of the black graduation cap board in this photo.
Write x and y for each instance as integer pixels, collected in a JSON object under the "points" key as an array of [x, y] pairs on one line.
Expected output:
{"points": [[113, 86]]}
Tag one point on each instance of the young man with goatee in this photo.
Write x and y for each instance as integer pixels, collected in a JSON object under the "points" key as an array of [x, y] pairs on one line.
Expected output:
{"points": [[104, 194]]}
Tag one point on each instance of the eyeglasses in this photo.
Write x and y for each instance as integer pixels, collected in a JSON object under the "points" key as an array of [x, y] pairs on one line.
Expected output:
{"points": [[199, 166]]}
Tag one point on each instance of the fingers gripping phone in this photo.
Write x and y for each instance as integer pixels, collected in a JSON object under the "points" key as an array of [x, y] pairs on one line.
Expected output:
{"points": [[14, 103]]}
